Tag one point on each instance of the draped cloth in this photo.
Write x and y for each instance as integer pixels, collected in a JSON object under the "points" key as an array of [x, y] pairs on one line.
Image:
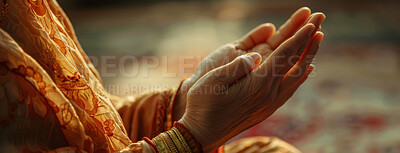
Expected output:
{"points": [[51, 96], [47, 82]]}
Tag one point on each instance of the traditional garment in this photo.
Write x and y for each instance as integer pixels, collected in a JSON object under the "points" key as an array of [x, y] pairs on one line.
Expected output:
{"points": [[52, 98]]}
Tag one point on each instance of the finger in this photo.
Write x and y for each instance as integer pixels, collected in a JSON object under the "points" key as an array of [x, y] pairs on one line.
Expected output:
{"points": [[230, 73], [280, 57], [293, 89], [297, 71], [309, 18], [316, 19], [256, 36], [289, 27]]}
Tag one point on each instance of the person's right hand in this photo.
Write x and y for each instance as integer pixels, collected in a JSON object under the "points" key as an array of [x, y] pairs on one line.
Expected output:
{"points": [[262, 39], [236, 96]]}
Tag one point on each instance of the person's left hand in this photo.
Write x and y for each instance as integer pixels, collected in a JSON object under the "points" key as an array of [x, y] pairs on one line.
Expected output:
{"points": [[262, 39]]}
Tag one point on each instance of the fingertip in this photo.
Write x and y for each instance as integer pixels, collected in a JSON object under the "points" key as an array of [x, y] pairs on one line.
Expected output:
{"points": [[316, 19], [319, 35], [321, 17], [269, 29], [310, 28], [305, 10], [256, 36], [310, 68], [256, 58], [270, 25], [310, 25], [301, 15]]}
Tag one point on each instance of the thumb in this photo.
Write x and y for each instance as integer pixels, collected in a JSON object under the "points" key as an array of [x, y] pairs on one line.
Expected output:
{"points": [[233, 71]]}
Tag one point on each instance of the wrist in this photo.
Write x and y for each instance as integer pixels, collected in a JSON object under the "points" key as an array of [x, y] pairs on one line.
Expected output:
{"points": [[180, 101], [210, 139], [179, 105], [194, 131]]}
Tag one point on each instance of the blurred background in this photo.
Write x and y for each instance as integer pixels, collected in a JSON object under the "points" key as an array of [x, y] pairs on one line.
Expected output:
{"points": [[351, 104]]}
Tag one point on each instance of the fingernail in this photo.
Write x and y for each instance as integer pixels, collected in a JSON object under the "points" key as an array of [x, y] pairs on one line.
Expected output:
{"points": [[256, 57], [310, 69]]}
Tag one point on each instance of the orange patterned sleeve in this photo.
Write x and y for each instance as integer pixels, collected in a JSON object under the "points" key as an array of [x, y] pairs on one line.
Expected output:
{"points": [[52, 98], [146, 115]]}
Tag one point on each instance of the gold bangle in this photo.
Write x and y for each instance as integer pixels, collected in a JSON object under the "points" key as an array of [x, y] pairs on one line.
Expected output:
{"points": [[178, 143], [181, 139], [160, 144], [171, 141], [170, 144], [192, 142]]}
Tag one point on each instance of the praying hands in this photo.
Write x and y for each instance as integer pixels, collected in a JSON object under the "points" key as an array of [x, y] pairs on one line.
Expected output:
{"points": [[54, 101], [244, 82]]}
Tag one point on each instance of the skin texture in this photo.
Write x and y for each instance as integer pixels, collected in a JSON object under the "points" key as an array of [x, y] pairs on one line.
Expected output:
{"points": [[231, 92], [263, 39]]}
